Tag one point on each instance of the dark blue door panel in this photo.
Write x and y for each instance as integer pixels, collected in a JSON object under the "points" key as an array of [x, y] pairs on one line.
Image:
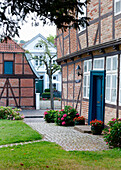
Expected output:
{"points": [[97, 96]]}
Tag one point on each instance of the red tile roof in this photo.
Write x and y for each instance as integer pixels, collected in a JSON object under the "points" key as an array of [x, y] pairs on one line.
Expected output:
{"points": [[10, 46]]}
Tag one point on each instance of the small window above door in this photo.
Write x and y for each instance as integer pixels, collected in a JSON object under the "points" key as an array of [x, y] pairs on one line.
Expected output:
{"points": [[8, 67]]}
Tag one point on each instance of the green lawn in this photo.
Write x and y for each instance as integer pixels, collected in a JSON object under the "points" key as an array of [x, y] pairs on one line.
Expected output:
{"points": [[16, 131], [49, 155], [44, 155]]}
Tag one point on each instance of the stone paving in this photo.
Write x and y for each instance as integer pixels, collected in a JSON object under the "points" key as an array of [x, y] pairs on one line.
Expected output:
{"points": [[68, 138]]}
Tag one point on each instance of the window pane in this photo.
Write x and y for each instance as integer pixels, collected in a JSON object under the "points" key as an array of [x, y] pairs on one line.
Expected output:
{"points": [[84, 91], [113, 95], [114, 63], [113, 81], [99, 63], [85, 66], [108, 64], [107, 94], [85, 79], [108, 81], [89, 65], [118, 6]]}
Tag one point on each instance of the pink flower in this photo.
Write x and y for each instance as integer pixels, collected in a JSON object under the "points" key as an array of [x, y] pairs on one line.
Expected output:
{"points": [[58, 114], [70, 108], [58, 118], [64, 115], [106, 143], [62, 118], [13, 118], [77, 114], [113, 119], [63, 123], [43, 99], [45, 113], [22, 116], [62, 109]]}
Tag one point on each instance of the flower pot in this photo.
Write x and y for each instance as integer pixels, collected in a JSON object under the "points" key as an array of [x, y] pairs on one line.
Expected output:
{"points": [[81, 122], [96, 130]]}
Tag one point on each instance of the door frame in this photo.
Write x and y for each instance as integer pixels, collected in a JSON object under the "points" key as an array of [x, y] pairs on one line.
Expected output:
{"points": [[91, 95]]}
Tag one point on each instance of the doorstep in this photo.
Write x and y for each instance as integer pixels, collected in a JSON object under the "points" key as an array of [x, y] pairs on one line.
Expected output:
{"points": [[83, 128]]}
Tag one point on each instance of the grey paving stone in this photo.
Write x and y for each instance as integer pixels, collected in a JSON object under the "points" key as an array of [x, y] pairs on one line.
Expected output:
{"points": [[68, 138]]}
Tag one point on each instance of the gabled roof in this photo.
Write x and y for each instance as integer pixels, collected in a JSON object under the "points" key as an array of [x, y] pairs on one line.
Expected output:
{"points": [[34, 38], [9, 45]]}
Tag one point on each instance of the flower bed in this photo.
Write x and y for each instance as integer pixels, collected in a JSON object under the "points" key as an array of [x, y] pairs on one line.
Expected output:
{"points": [[49, 116], [65, 117], [79, 120], [10, 114]]}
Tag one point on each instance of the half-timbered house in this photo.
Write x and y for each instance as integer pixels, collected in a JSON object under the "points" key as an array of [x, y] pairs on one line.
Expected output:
{"points": [[91, 62], [17, 77]]}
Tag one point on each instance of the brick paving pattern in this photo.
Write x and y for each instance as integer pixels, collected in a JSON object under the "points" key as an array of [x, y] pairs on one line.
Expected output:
{"points": [[68, 138]]}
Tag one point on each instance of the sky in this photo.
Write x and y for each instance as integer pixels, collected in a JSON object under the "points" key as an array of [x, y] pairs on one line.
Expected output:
{"points": [[28, 31]]}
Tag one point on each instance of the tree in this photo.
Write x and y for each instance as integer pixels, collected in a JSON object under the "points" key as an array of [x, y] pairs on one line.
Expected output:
{"points": [[51, 39], [47, 60], [60, 12]]}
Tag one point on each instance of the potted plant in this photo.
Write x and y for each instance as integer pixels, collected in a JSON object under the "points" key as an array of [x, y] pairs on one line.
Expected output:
{"points": [[96, 127], [79, 120]]}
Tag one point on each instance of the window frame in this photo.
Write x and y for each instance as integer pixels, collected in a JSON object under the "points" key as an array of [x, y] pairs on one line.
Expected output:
{"points": [[87, 75], [115, 7], [111, 73]]}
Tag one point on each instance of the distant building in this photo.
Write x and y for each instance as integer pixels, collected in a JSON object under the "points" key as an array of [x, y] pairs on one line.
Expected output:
{"points": [[17, 77], [37, 51]]}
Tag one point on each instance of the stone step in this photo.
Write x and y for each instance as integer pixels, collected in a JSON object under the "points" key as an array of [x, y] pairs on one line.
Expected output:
{"points": [[83, 128], [34, 116]]}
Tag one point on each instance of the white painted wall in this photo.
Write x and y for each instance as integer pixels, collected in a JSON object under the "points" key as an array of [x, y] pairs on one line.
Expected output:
{"points": [[30, 46]]}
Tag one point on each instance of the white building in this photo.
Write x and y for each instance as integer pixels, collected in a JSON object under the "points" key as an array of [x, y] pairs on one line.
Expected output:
{"points": [[37, 51]]}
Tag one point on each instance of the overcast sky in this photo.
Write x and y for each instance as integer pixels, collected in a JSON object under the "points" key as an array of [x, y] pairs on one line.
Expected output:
{"points": [[28, 31]]}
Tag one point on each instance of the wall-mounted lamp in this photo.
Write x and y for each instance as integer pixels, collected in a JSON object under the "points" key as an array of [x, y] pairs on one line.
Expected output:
{"points": [[78, 71]]}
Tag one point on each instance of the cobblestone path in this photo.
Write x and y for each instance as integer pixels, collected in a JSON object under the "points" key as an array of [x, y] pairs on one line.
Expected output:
{"points": [[68, 138]]}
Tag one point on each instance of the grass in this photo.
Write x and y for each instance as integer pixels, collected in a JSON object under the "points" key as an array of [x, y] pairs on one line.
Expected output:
{"points": [[45, 155], [16, 131]]}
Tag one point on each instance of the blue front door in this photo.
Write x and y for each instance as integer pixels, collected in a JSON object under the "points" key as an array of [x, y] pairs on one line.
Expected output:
{"points": [[97, 96]]}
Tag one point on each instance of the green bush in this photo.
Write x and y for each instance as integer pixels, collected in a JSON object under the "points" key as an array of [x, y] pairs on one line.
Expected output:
{"points": [[47, 90], [65, 117], [49, 116], [46, 95], [10, 114], [112, 134]]}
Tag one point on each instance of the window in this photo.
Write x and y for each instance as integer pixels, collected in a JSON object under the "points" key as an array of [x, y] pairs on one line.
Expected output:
{"points": [[8, 67], [98, 64], [38, 62], [111, 79], [54, 77], [38, 46], [117, 6], [86, 81]]}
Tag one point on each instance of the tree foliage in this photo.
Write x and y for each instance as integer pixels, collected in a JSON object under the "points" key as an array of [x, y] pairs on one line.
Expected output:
{"points": [[62, 13]]}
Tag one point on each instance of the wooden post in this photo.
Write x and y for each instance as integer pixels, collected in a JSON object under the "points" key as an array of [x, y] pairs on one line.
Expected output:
{"points": [[118, 78]]}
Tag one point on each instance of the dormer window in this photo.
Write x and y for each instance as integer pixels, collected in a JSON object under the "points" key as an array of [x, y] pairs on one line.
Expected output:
{"points": [[38, 46]]}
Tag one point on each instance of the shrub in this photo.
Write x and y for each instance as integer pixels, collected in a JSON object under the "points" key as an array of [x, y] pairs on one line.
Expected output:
{"points": [[10, 114], [112, 134], [47, 90], [49, 116], [65, 117], [46, 95]]}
